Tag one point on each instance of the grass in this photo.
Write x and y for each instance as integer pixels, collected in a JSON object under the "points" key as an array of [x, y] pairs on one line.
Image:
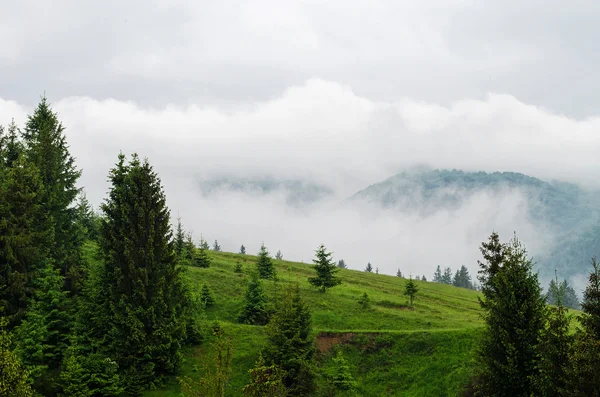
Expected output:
{"points": [[393, 349]]}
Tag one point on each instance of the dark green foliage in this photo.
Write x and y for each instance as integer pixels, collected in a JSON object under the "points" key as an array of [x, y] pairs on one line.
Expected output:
{"points": [[437, 276], [243, 250], [238, 268], [46, 147], [204, 244], [13, 377], [423, 278], [554, 350], [342, 264], [462, 278], [369, 268], [264, 265], [339, 377], [255, 310], [398, 273], [364, 301], [326, 270], [206, 297], [145, 298], [411, 290], [279, 255], [584, 377], [216, 246], [377, 270], [514, 313], [569, 297], [26, 235], [265, 381], [42, 337], [290, 344], [201, 258]]}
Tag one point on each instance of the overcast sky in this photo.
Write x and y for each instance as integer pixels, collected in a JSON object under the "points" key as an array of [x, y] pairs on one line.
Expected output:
{"points": [[342, 93]]}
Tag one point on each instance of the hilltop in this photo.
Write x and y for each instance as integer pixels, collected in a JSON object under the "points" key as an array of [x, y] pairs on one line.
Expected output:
{"points": [[393, 349]]}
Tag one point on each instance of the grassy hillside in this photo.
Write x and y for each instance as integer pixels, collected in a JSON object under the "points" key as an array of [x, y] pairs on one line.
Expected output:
{"points": [[393, 349]]}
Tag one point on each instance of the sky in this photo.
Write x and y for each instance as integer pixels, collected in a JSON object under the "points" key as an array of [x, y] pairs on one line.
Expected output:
{"points": [[342, 94]]}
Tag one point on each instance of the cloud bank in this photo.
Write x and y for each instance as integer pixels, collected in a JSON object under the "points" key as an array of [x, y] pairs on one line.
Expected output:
{"points": [[323, 132]]}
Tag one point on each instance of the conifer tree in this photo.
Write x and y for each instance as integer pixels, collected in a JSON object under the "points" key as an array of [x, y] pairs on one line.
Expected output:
{"points": [[377, 270], [179, 240], [13, 377], [265, 381], [340, 378], [462, 278], [411, 290], [243, 250], [146, 298], [326, 270], [398, 273], [447, 276], [46, 147], [364, 301], [204, 244], [342, 264], [238, 268], [437, 276], [369, 268], [569, 296], [206, 296], [554, 349], [423, 278], [290, 344], [25, 234], [216, 246], [201, 258], [514, 314], [265, 266], [279, 255], [87, 219], [254, 311], [42, 337]]}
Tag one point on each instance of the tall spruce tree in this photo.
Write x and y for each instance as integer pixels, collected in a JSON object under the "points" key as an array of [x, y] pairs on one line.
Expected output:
{"points": [[46, 147], [462, 278], [179, 240], [437, 276], [447, 276], [25, 234], [569, 297], [342, 264], [145, 295], [264, 264], [514, 314], [290, 344], [369, 268], [326, 270]]}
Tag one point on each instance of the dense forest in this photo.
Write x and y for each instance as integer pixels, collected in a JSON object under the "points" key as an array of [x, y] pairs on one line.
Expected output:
{"points": [[100, 304]]}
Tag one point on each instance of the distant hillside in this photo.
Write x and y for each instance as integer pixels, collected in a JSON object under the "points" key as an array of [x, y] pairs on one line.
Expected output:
{"points": [[392, 349], [564, 210]]}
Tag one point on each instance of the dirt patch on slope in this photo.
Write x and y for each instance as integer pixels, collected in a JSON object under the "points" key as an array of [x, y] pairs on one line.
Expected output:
{"points": [[326, 340]]}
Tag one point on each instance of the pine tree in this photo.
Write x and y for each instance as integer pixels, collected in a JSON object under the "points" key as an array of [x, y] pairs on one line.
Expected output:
{"points": [[179, 240], [340, 378], [264, 265], [423, 278], [146, 298], [364, 301], [342, 264], [462, 278], [279, 255], [369, 268], [42, 337], [13, 377], [569, 296], [46, 146], [25, 234], [326, 270], [255, 310], [216, 246], [514, 314], [201, 258], [554, 349], [377, 270], [411, 290], [204, 244], [87, 220], [265, 381], [447, 276], [493, 253], [206, 296], [290, 344], [398, 273], [243, 250], [437, 276]]}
